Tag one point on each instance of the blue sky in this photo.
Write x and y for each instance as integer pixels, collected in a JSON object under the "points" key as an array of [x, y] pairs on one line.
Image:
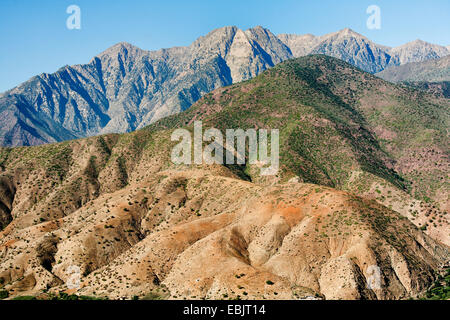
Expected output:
{"points": [[34, 37]]}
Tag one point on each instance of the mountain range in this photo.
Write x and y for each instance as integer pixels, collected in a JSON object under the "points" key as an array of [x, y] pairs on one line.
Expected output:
{"points": [[125, 88], [361, 187], [435, 70]]}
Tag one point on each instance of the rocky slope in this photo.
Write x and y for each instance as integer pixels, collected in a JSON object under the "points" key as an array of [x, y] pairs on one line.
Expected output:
{"points": [[126, 88], [341, 206], [440, 89]]}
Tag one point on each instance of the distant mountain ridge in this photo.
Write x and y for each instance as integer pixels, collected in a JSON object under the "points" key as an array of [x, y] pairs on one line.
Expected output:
{"points": [[437, 70], [126, 88], [418, 51], [346, 45], [358, 50]]}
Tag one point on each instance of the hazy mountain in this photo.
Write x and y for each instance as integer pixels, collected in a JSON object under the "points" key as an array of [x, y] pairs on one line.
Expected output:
{"points": [[346, 45], [126, 88], [353, 48], [432, 71], [418, 51], [361, 185], [356, 49]]}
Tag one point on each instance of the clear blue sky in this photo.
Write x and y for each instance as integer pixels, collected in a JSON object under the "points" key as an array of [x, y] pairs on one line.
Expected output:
{"points": [[34, 37]]}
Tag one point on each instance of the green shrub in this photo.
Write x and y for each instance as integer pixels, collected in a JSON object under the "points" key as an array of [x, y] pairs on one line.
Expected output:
{"points": [[153, 296], [4, 294], [25, 298]]}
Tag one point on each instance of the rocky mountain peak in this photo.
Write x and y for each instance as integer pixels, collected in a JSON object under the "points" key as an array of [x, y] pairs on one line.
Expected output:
{"points": [[216, 42], [121, 48], [347, 32], [353, 48], [125, 88]]}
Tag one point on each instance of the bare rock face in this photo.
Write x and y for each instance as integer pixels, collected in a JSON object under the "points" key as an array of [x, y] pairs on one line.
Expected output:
{"points": [[126, 88], [254, 51], [300, 45]]}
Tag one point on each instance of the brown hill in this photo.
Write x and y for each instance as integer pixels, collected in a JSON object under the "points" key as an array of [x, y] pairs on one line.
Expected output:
{"points": [[204, 233]]}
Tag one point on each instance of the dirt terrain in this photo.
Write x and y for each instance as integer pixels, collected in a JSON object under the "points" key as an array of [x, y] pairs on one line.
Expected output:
{"points": [[206, 234]]}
